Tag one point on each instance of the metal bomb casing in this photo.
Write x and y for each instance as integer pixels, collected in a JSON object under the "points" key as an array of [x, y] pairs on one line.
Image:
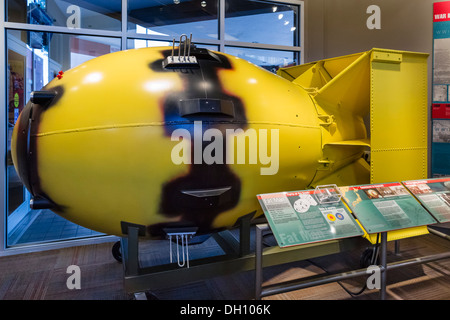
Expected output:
{"points": [[96, 145]]}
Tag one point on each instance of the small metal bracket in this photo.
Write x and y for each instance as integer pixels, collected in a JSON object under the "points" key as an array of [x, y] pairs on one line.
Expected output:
{"points": [[327, 194], [181, 237], [209, 107], [325, 164], [203, 193], [387, 57], [125, 225], [40, 202], [184, 60], [328, 120], [42, 98]]}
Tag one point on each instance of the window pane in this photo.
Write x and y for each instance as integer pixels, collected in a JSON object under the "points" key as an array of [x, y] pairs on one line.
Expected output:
{"points": [[261, 22], [270, 60], [35, 58], [142, 43], [174, 18], [93, 14]]}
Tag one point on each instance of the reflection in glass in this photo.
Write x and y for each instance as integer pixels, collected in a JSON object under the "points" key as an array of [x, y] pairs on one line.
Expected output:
{"points": [[270, 60], [34, 60], [92, 14], [174, 18], [261, 22], [140, 43]]}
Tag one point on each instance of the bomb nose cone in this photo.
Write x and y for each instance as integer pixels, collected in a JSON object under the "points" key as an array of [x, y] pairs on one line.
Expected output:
{"points": [[20, 145], [23, 149]]}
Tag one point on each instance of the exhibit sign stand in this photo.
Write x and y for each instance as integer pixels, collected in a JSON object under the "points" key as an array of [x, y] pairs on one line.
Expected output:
{"points": [[434, 195], [385, 207], [298, 218]]}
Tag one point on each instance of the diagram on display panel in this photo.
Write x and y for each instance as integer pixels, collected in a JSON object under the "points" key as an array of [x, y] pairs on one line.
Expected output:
{"points": [[300, 217]]}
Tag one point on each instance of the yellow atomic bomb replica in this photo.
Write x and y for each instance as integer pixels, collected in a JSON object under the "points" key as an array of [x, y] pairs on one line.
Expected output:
{"points": [[155, 138]]}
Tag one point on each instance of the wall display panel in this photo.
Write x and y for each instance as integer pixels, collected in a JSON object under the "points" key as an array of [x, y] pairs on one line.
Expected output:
{"points": [[441, 147], [29, 69], [261, 22], [94, 14], [174, 18], [440, 154]]}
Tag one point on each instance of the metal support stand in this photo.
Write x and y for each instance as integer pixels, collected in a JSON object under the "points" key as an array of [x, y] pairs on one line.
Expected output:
{"points": [[130, 247], [397, 247], [308, 282], [258, 260], [140, 279], [383, 267], [238, 257]]}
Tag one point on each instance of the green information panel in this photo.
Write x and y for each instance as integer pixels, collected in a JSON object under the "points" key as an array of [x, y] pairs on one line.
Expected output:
{"points": [[385, 207], [434, 194], [298, 218]]}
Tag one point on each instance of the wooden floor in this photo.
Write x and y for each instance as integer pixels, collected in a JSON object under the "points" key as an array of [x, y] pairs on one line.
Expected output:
{"points": [[42, 276]]}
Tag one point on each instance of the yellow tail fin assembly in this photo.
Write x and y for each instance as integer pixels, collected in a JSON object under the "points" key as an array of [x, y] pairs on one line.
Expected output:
{"points": [[373, 103]]}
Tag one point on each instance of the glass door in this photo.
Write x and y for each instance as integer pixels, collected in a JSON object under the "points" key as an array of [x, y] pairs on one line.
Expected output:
{"points": [[33, 59]]}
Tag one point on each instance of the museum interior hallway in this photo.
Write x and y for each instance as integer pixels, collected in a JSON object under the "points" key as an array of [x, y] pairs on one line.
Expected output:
{"points": [[43, 276]]}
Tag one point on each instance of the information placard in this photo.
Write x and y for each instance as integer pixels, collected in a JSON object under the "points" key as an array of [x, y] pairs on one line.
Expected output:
{"points": [[434, 194], [298, 218], [385, 207], [440, 145]]}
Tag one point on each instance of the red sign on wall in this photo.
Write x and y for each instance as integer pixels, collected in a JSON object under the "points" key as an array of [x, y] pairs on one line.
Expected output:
{"points": [[441, 111], [441, 11]]}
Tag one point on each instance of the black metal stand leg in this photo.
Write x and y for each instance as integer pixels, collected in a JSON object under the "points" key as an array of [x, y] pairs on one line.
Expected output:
{"points": [[397, 247], [383, 265], [244, 234], [258, 260], [130, 251]]}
